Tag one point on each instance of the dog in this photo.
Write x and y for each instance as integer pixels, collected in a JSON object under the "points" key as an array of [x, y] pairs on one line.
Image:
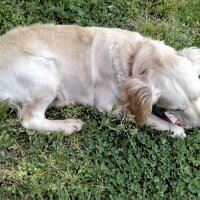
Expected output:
{"points": [[46, 64]]}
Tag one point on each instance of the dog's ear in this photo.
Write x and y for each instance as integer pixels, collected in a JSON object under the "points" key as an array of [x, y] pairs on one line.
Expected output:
{"points": [[192, 53], [139, 98], [140, 94]]}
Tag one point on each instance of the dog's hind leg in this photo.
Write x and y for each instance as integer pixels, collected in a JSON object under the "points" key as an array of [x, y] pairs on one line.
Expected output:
{"points": [[33, 84], [41, 85], [33, 117]]}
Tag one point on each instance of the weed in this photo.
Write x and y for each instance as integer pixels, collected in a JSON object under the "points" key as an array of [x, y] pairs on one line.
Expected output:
{"points": [[107, 159]]}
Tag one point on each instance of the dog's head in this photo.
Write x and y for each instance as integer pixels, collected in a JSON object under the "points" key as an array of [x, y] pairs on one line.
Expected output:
{"points": [[160, 75]]}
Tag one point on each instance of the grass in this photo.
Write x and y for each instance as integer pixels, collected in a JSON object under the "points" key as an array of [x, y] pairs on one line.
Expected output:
{"points": [[108, 159]]}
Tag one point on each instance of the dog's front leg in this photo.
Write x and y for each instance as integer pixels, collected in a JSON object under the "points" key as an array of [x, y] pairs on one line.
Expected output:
{"points": [[160, 124]]}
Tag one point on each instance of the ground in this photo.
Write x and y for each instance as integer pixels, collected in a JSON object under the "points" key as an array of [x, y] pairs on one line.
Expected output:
{"points": [[108, 159]]}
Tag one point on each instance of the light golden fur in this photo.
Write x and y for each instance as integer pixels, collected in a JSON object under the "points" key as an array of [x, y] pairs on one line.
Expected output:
{"points": [[45, 65]]}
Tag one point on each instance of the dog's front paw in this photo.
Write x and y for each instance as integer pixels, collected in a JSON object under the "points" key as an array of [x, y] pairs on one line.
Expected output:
{"points": [[72, 125], [178, 132]]}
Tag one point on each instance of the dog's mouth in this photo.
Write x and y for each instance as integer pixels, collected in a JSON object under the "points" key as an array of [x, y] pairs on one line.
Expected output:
{"points": [[166, 115]]}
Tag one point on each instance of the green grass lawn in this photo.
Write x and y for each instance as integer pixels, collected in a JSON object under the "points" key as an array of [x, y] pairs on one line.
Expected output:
{"points": [[108, 159]]}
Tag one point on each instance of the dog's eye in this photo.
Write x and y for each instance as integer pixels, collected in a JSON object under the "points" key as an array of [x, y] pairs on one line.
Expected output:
{"points": [[199, 76]]}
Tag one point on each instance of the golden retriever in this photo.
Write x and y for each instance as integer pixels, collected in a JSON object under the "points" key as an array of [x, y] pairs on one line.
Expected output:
{"points": [[41, 65]]}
